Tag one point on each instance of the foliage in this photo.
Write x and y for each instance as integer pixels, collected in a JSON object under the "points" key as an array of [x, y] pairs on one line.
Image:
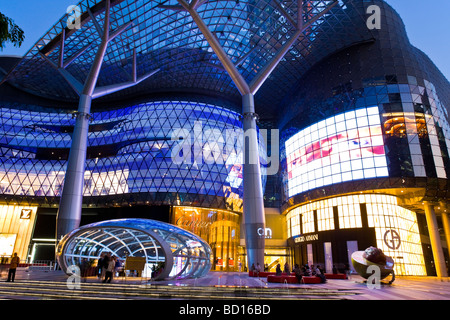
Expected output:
{"points": [[10, 32]]}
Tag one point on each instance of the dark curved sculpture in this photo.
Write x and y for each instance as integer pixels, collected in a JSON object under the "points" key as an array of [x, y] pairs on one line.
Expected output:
{"points": [[362, 260]]}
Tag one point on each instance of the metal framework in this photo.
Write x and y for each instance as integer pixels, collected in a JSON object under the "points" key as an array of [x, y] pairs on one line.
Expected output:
{"points": [[253, 190], [69, 212], [231, 45], [164, 37], [183, 254]]}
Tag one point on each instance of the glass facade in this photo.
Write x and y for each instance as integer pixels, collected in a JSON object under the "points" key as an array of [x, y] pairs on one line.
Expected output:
{"points": [[219, 228], [396, 229], [405, 135], [183, 254], [358, 110], [346, 147]]}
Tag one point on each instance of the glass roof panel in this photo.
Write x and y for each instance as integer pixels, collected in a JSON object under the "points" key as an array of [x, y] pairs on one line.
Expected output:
{"points": [[166, 38]]}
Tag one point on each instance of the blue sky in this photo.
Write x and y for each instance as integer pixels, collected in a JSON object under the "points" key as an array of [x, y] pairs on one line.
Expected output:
{"points": [[427, 24]]}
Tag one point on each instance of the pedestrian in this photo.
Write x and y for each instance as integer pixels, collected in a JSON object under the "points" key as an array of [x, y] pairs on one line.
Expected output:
{"points": [[84, 268], [305, 270], [319, 274], [109, 270], [100, 265], [278, 271], [240, 266], [335, 270], [15, 260], [287, 269], [117, 267], [347, 270], [105, 263], [258, 269]]}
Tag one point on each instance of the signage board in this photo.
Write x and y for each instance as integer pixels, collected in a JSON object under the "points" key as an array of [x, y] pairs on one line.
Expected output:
{"points": [[307, 238], [135, 263]]}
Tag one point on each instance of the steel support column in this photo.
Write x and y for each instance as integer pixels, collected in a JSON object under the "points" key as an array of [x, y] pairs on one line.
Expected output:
{"points": [[253, 194], [435, 239], [69, 212], [254, 218], [446, 224]]}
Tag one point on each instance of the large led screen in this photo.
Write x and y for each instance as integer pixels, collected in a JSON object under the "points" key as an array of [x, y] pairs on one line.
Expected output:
{"points": [[342, 148]]}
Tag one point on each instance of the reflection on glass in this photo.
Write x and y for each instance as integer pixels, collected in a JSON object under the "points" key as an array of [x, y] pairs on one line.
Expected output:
{"points": [[219, 228]]}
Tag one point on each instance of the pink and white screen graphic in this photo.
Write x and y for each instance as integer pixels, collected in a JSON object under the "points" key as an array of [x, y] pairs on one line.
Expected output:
{"points": [[345, 147]]}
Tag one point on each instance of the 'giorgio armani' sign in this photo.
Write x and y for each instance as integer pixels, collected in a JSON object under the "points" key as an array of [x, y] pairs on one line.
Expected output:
{"points": [[309, 237]]}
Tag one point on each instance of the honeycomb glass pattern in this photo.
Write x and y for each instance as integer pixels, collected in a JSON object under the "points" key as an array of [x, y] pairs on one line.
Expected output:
{"points": [[183, 254], [166, 38], [133, 150]]}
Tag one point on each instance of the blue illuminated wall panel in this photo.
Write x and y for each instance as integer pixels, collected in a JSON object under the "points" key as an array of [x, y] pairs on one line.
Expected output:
{"points": [[148, 156]]}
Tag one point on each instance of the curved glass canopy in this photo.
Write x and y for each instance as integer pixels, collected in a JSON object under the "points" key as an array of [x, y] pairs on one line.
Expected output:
{"points": [[162, 36], [183, 254]]}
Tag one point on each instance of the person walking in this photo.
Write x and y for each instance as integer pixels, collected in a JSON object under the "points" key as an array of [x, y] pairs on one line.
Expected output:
{"points": [[109, 272], [105, 263], [15, 260], [258, 269], [100, 263]]}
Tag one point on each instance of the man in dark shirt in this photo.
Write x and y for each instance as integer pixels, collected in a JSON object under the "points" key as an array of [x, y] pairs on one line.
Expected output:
{"points": [[15, 260]]}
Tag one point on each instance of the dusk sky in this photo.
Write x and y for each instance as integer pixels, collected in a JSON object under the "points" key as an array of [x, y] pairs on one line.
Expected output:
{"points": [[427, 24]]}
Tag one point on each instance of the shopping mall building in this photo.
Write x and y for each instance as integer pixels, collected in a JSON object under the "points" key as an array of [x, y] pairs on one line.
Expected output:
{"points": [[141, 109]]}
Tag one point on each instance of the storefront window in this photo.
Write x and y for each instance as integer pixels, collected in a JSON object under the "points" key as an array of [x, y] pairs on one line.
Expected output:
{"points": [[220, 228], [396, 229]]}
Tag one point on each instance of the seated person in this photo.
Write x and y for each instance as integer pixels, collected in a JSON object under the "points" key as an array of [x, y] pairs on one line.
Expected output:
{"points": [[278, 271]]}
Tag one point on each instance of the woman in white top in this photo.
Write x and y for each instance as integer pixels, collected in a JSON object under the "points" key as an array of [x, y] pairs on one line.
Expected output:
{"points": [[110, 270]]}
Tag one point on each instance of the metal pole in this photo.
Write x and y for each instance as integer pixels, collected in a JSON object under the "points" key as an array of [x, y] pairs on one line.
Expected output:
{"points": [[69, 212], [253, 194], [254, 220], [435, 239], [446, 224]]}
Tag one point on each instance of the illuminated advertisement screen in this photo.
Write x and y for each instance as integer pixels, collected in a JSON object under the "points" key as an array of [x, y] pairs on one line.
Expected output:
{"points": [[342, 148]]}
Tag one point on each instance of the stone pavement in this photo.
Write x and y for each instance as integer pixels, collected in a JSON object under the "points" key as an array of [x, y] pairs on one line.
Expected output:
{"points": [[38, 285]]}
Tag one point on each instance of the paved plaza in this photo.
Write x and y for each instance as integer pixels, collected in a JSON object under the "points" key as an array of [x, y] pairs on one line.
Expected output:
{"points": [[55, 285]]}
